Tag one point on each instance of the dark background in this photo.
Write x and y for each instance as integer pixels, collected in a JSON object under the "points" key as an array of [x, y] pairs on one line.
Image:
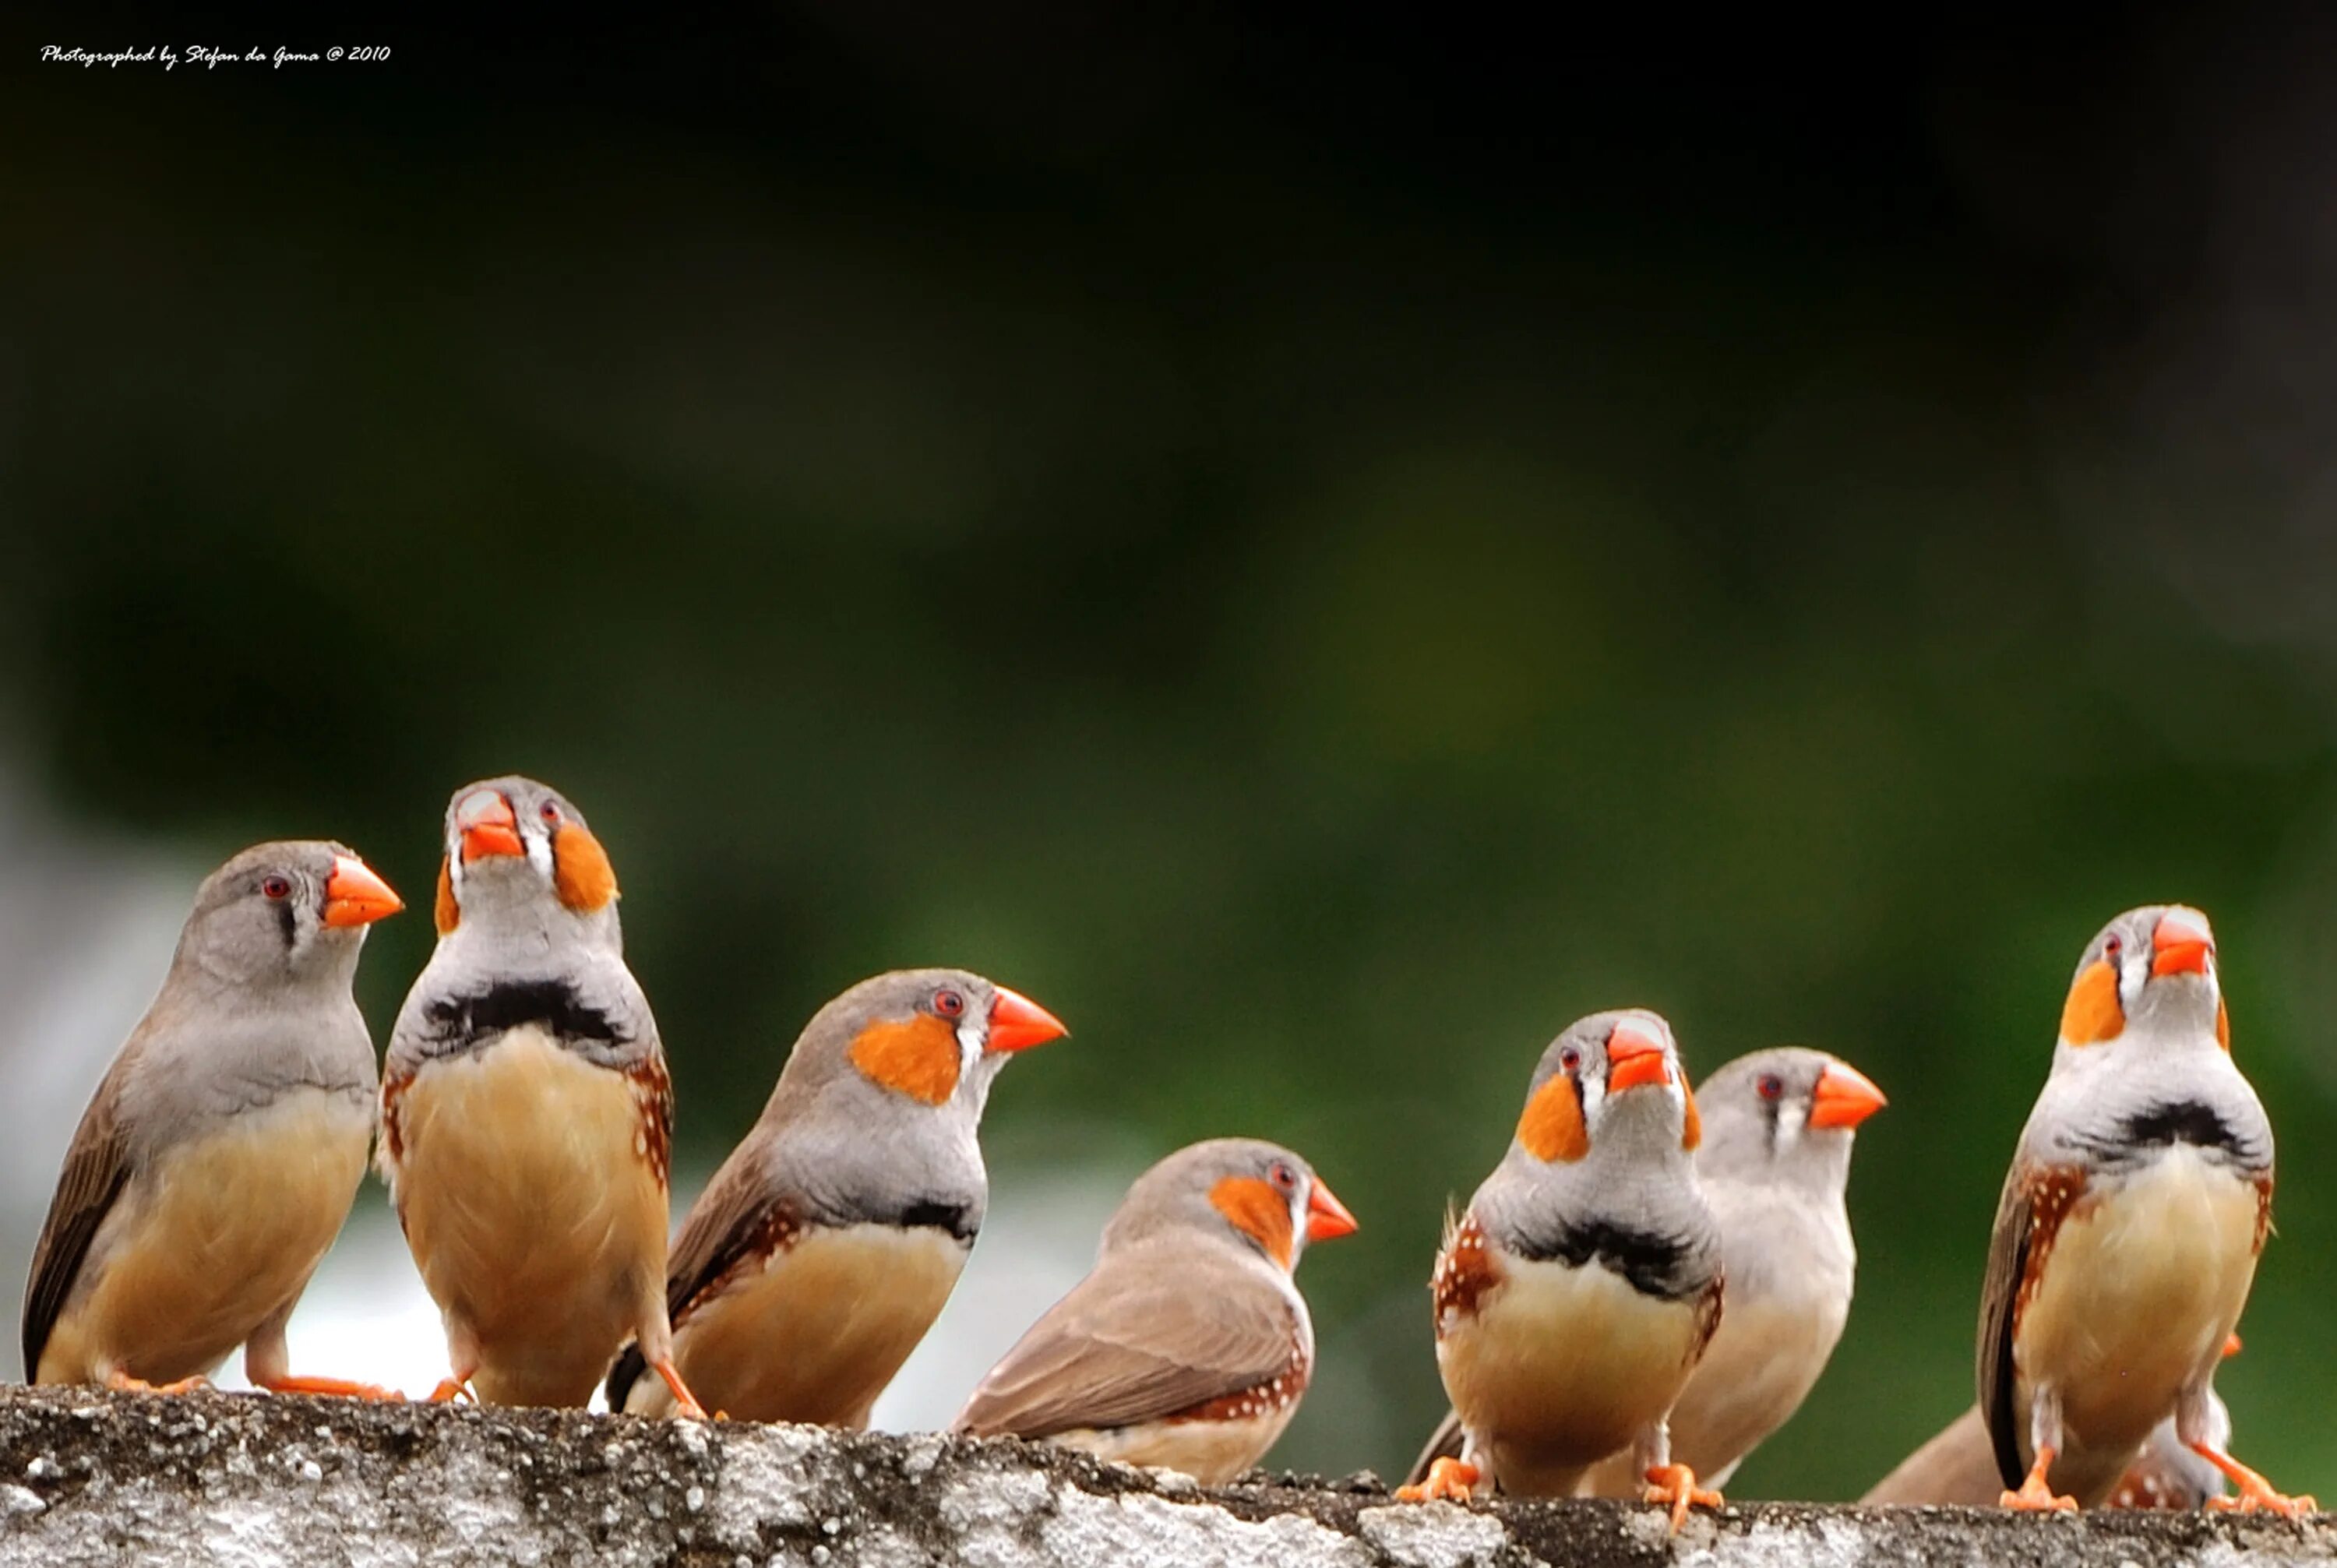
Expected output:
{"points": [[1320, 548]]}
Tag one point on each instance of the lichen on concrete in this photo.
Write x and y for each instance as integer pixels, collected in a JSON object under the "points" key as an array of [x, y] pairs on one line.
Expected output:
{"points": [[248, 1481]]}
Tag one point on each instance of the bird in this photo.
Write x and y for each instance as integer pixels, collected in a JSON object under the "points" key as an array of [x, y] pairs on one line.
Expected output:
{"points": [[2130, 1226], [1958, 1468], [1188, 1347], [1575, 1295], [222, 1149], [1958, 1465], [527, 1114], [1774, 1162], [823, 1249]]}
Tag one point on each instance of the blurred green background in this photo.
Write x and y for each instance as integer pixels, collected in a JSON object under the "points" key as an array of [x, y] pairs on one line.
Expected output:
{"points": [[1321, 549]]}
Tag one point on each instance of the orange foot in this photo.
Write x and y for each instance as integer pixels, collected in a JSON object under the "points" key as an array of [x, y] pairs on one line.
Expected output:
{"points": [[123, 1383], [340, 1387], [685, 1403], [2255, 1492], [2035, 1496], [1449, 1480], [1676, 1484], [449, 1389]]}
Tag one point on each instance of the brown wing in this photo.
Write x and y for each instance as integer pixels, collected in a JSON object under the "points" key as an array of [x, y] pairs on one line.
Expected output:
{"points": [[96, 1167], [736, 1217], [1150, 1333], [1999, 1296]]}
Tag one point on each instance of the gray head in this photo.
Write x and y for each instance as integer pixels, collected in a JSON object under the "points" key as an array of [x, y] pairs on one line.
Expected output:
{"points": [[2153, 970], [1785, 1114], [1256, 1195], [1610, 1082], [913, 1039], [295, 910], [518, 854]]}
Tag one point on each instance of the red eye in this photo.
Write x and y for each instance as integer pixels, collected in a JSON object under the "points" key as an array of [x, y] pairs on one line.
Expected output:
{"points": [[2114, 946], [549, 812], [948, 1003], [277, 886], [1283, 1177], [1571, 1059], [1771, 1086]]}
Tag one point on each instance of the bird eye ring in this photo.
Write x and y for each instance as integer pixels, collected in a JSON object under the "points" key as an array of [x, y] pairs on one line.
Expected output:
{"points": [[548, 811], [277, 886], [1771, 1086], [1569, 1059], [1283, 1177], [948, 1003], [2114, 946]]}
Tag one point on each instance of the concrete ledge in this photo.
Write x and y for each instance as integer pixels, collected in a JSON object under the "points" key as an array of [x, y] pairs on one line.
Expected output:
{"points": [[249, 1480]]}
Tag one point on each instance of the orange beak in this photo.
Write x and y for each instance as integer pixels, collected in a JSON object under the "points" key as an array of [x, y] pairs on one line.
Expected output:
{"points": [[1327, 1219], [355, 896], [1017, 1022], [2180, 945], [488, 827], [1845, 1097], [1635, 1059]]}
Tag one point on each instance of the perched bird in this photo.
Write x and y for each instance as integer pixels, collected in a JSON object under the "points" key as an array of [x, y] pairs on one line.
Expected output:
{"points": [[1575, 1294], [526, 1112], [220, 1155], [1959, 1466], [1774, 1163], [826, 1245], [2127, 1234], [1188, 1347]]}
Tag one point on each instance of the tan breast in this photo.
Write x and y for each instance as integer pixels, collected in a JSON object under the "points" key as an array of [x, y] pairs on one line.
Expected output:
{"points": [[817, 1332], [2139, 1292], [535, 1209], [1211, 1452], [218, 1237], [1761, 1364], [1557, 1368]]}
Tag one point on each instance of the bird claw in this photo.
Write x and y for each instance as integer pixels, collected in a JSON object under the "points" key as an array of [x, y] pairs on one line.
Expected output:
{"points": [[2256, 1494], [2035, 1497], [338, 1387], [1676, 1484], [685, 1404], [1448, 1480], [122, 1383], [450, 1389]]}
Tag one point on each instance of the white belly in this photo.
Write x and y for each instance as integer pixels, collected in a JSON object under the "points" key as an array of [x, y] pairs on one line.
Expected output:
{"points": [[1560, 1367], [219, 1236], [2138, 1293], [536, 1219], [817, 1332]]}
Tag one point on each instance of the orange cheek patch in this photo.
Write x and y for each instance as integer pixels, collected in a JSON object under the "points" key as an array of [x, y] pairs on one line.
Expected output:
{"points": [[918, 1058], [2223, 1027], [1257, 1210], [1692, 1130], [2093, 1012], [580, 871], [1551, 1129], [448, 913]]}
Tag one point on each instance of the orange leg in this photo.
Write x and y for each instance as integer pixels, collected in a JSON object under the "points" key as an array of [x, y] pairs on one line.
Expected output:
{"points": [[1676, 1484], [2255, 1492], [685, 1403], [449, 1389], [2035, 1496], [1449, 1480], [123, 1383], [339, 1386]]}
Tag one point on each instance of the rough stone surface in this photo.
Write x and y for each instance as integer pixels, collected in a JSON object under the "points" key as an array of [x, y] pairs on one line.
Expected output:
{"points": [[249, 1480]]}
